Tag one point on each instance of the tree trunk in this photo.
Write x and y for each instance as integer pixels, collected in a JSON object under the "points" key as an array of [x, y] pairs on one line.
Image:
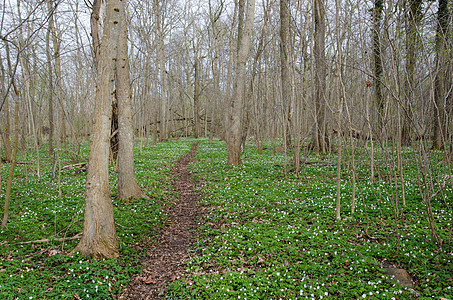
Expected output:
{"points": [[284, 68], [6, 132], [250, 91], [50, 87], [99, 235], [16, 138], [114, 139], [236, 102], [97, 28], [215, 66], [319, 139], [9, 183], [412, 41], [226, 119], [377, 63], [127, 182], [161, 63], [441, 81], [196, 96], [58, 86]]}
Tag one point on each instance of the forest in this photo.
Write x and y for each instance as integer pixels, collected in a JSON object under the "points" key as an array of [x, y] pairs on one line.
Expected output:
{"points": [[226, 149]]}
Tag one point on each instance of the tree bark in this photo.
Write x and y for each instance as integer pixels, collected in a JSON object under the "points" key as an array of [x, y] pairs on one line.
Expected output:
{"points": [[196, 96], [9, 183], [215, 65], [99, 235], [319, 139], [97, 29], [250, 91], [226, 119], [6, 131], [441, 79], [236, 102], [161, 63], [50, 91], [127, 182], [412, 41], [284, 69], [377, 63], [57, 58]]}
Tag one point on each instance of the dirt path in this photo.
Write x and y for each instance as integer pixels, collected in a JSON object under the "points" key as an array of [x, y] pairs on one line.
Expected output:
{"points": [[166, 257]]}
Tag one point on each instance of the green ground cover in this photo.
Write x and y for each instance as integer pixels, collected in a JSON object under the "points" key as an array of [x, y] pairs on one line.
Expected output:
{"points": [[271, 236], [267, 234], [44, 270]]}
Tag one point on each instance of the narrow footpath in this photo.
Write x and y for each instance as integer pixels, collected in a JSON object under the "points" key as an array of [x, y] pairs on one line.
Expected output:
{"points": [[167, 255]]}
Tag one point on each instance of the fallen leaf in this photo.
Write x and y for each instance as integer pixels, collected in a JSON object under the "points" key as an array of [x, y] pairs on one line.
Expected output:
{"points": [[149, 280]]}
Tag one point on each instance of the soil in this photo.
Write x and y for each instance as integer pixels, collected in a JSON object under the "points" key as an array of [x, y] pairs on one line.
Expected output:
{"points": [[165, 258]]}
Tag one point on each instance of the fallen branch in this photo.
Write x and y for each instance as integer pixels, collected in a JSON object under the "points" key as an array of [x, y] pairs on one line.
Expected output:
{"points": [[82, 166], [75, 237], [319, 162], [19, 162]]}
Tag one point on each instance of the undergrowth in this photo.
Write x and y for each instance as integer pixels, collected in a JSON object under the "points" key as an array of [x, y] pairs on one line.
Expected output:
{"points": [[270, 234], [44, 270]]}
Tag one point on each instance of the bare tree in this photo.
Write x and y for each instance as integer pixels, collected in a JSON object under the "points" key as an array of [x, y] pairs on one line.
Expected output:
{"points": [[319, 139], [236, 102], [377, 62], [413, 16], [442, 91], [127, 182], [284, 69], [50, 87], [99, 235], [56, 57], [158, 16], [9, 183]]}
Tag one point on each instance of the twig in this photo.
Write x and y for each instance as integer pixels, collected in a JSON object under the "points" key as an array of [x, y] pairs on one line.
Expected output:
{"points": [[75, 237], [444, 185], [320, 162], [123, 226]]}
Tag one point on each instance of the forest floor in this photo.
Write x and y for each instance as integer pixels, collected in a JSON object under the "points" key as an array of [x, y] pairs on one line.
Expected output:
{"points": [[167, 256], [208, 230]]}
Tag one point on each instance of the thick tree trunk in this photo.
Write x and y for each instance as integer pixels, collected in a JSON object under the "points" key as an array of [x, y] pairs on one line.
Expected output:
{"points": [[99, 235], [127, 182], [236, 102], [97, 29]]}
